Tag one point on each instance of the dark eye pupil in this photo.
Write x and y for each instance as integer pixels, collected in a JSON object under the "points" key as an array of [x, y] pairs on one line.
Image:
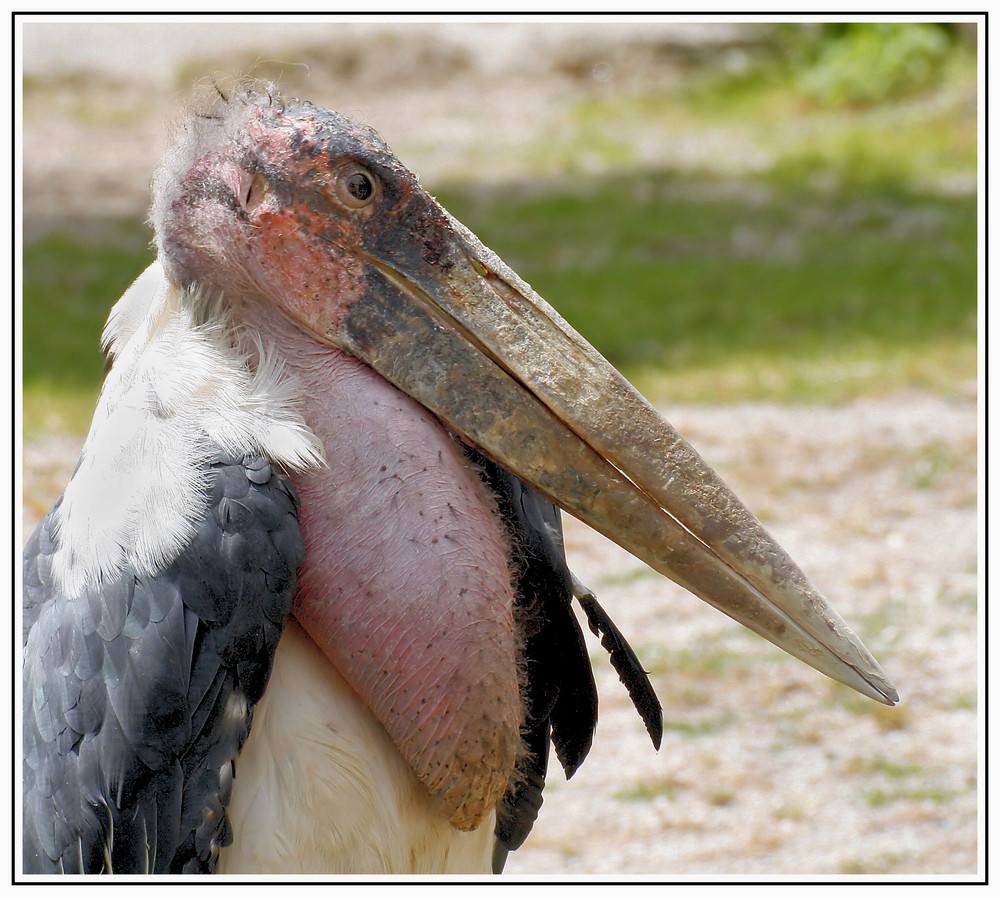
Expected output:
{"points": [[360, 185]]}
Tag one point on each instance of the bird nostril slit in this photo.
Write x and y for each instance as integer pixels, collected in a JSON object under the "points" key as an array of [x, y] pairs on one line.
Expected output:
{"points": [[256, 192]]}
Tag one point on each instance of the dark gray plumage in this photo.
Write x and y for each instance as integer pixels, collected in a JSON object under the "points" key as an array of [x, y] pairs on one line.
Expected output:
{"points": [[138, 694]]}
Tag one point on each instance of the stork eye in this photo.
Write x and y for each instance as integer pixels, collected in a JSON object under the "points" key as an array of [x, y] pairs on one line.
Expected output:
{"points": [[360, 186], [355, 188]]}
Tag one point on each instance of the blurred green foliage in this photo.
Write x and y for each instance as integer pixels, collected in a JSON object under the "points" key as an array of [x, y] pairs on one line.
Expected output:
{"points": [[847, 64], [868, 63]]}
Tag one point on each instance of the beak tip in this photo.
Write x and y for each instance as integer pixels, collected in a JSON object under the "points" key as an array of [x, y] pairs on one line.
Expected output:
{"points": [[890, 696], [878, 687]]}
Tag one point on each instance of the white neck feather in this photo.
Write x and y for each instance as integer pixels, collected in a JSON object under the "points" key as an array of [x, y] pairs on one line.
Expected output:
{"points": [[178, 392]]}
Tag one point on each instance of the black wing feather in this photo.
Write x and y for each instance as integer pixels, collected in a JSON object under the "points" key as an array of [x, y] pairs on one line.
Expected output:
{"points": [[561, 696], [130, 689], [627, 665]]}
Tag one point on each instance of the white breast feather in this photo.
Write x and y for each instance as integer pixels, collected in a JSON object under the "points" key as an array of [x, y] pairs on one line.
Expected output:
{"points": [[321, 789]]}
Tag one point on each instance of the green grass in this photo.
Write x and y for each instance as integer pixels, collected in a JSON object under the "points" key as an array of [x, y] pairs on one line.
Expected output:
{"points": [[697, 728], [897, 770], [880, 797], [697, 292], [70, 284], [883, 864], [762, 288], [704, 660], [641, 792]]}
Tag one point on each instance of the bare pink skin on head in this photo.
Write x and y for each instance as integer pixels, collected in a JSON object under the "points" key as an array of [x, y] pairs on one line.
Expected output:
{"points": [[285, 238], [406, 584]]}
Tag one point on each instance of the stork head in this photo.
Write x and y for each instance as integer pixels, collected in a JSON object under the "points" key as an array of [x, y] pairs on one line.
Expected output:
{"points": [[299, 207]]}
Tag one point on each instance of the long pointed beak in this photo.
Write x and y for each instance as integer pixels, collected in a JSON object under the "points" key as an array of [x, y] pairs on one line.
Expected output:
{"points": [[478, 347]]}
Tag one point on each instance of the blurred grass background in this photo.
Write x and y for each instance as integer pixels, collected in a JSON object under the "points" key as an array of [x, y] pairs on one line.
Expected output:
{"points": [[824, 245]]}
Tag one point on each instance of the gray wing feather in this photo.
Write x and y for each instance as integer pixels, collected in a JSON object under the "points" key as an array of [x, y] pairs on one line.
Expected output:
{"points": [[138, 694]]}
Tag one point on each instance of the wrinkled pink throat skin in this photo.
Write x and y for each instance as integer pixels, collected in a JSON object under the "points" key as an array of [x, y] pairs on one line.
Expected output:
{"points": [[405, 586]]}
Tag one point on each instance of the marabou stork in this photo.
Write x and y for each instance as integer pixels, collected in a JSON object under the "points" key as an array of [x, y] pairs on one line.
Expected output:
{"points": [[319, 496]]}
